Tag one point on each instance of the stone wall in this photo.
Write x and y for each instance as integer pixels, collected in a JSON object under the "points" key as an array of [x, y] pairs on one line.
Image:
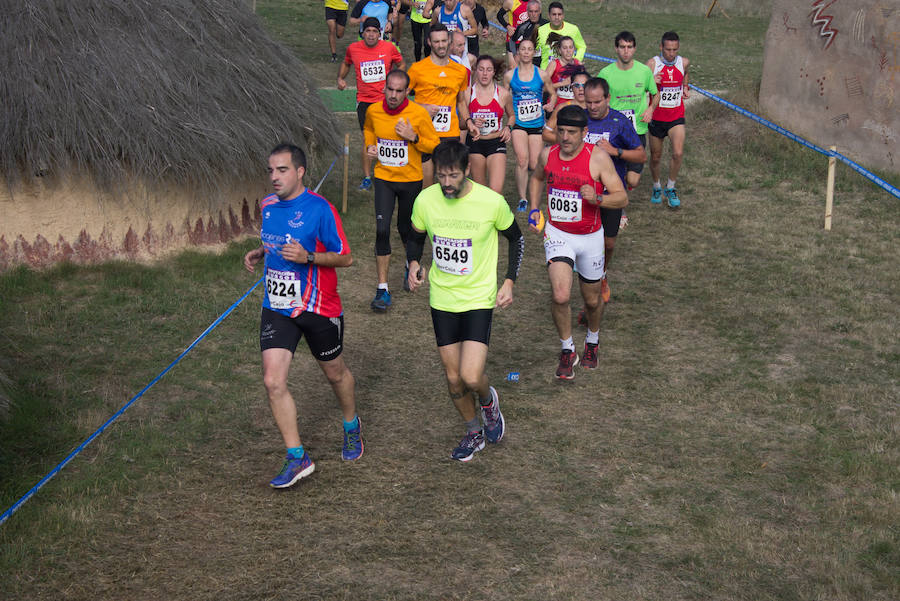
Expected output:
{"points": [[832, 75]]}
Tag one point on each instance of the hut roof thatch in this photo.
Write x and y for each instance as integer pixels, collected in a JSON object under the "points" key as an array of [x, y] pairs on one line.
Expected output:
{"points": [[189, 92]]}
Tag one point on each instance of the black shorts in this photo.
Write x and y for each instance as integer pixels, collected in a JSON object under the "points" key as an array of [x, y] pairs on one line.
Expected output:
{"points": [[361, 108], [485, 147], [324, 335], [660, 129], [427, 157], [451, 328], [610, 219], [637, 167], [334, 14], [531, 131], [404, 9]]}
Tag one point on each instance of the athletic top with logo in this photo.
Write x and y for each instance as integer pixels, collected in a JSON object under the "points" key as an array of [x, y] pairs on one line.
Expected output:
{"points": [[563, 93], [372, 67], [671, 90], [616, 129], [336, 4], [519, 14], [568, 211], [453, 20], [568, 29], [528, 99], [439, 85], [380, 9], [464, 241], [418, 7], [292, 288], [399, 160], [491, 113], [628, 91]]}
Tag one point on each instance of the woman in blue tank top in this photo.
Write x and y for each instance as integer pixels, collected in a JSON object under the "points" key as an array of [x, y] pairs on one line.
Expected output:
{"points": [[527, 85]]}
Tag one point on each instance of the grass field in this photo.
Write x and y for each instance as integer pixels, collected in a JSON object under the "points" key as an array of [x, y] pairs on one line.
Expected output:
{"points": [[740, 440]]}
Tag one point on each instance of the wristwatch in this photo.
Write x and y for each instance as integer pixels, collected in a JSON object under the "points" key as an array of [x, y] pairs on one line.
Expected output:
{"points": [[619, 151], [310, 258]]}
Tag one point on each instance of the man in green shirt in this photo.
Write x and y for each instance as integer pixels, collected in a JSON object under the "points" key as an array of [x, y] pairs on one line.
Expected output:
{"points": [[462, 219], [630, 83], [558, 25]]}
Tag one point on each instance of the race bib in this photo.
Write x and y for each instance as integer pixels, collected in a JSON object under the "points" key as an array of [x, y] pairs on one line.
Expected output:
{"points": [[630, 114], [528, 109], [283, 289], [372, 71], [393, 153], [441, 119], [564, 205], [594, 137], [490, 121], [452, 255], [565, 92], [670, 98]]}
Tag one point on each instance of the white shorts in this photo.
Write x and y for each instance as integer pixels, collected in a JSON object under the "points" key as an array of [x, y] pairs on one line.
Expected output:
{"points": [[584, 251]]}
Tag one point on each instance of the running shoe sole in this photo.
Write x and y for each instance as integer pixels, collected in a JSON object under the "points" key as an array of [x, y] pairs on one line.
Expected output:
{"points": [[301, 474]]}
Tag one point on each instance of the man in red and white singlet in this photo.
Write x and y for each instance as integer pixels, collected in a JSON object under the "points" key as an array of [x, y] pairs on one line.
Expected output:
{"points": [[671, 74], [580, 178]]}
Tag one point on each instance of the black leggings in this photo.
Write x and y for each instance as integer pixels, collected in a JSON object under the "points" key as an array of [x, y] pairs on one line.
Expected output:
{"points": [[385, 192], [420, 38]]}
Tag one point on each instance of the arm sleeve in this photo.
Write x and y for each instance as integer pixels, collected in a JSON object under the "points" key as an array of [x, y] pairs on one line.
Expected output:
{"points": [[415, 244], [580, 45], [357, 9], [501, 17], [481, 16], [516, 249]]}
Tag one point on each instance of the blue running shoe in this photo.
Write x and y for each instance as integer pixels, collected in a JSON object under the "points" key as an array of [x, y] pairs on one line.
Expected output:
{"points": [[382, 300], [523, 204], [672, 198], [656, 196], [353, 444], [292, 470], [365, 184], [494, 424], [468, 446]]}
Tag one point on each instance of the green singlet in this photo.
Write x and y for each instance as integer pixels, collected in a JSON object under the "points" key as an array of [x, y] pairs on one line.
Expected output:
{"points": [[463, 235], [628, 91]]}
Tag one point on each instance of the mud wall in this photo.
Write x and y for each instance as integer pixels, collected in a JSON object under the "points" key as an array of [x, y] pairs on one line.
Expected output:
{"points": [[831, 74]]}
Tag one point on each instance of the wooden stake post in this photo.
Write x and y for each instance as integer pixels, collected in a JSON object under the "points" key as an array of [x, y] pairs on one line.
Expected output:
{"points": [[712, 6], [829, 189], [346, 172]]}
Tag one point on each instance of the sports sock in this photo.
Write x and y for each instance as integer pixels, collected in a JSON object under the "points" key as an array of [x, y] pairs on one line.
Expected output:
{"points": [[352, 425], [656, 185], [670, 184], [473, 425], [295, 452], [592, 337], [568, 344], [383, 286]]}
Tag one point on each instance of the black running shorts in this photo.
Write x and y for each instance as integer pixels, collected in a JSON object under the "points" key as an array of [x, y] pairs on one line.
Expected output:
{"points": [[324, 335], [451, 328]]}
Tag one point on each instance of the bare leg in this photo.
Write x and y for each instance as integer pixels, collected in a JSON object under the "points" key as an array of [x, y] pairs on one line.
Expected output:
{"points": [[275, 363], [496, 169], [677, 135], [561, 290], [342, 382], [520, 146]]}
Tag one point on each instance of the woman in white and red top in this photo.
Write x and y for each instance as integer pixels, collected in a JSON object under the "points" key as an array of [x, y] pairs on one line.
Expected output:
{"points": [[488, 103], [564, 49]]}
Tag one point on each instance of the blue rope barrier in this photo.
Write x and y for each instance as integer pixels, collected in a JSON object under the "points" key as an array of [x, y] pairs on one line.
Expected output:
{"points": [[15, 506], [893, 190]]}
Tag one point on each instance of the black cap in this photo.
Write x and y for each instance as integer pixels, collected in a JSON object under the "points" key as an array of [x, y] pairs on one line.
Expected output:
{"points": [[371, 22]]}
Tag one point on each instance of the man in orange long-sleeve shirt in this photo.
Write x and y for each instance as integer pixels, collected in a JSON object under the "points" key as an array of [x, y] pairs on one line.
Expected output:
{"points": [[397, 132]]}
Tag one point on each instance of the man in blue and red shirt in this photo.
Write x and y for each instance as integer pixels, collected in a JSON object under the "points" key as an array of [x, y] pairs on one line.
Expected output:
{"points": [[303, 242]]}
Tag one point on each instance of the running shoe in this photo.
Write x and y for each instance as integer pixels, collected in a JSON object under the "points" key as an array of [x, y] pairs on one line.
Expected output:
{"points": [[656, 196], [604, 291], [365, 184], [468, 446], [582, 318], [494, 424], [567, 362], [353, 444], [523, 205], [589, 359], [623, 221], [382, 300], [672, 198], [292, 470]]}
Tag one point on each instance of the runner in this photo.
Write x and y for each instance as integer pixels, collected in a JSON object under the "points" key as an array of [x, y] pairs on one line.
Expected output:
{"points": [[421, 25], [459, 52], [439, 85], [613, 132], [670, 71], [396, 132], [527, 29], [629, 86], [488, 102], [462, 219], [336, 20], [579, 77], [455, 16], [560, 27], [403, 9], [527, 84], [517, 10], [373, 58], [380, 9], [564, 49], [482, 26], [301, 299], [576, 174]]}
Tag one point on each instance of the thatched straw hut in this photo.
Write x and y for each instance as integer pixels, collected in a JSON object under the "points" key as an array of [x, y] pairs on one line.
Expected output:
{"points": [[129, 126]]}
